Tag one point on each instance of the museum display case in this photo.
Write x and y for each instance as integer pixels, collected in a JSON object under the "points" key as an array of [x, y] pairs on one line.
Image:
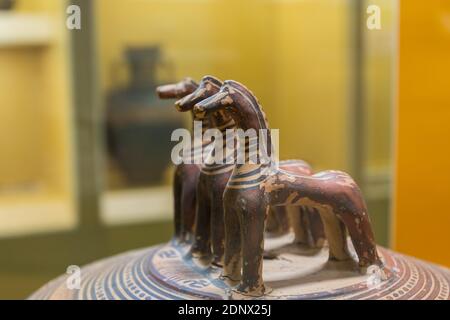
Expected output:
{"points": [[221, 249], [88, 181], [36, 186]]}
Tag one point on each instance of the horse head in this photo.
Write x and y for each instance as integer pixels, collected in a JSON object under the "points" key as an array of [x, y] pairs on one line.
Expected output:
{"points": [[177, 90], [208, 86], [238, 101]]}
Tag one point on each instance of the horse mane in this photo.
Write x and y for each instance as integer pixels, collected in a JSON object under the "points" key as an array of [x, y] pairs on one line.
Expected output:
{"points": [[262, 120], [213, 79], [249, 94]]}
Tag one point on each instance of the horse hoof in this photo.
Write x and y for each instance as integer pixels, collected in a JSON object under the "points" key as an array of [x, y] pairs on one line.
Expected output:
{"points": [[229, 281], [270, 255], [242, 294], [217, 263]]}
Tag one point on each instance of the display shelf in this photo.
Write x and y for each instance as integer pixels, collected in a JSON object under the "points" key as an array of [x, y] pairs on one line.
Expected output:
{"points": [[25, 215], [136, 205], [18, 29]]}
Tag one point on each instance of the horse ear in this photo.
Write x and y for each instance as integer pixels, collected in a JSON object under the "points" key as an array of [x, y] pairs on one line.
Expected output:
{"points": [[190, 81], [211, 79]]}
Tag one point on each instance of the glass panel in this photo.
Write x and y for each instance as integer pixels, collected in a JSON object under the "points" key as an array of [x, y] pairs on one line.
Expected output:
{"points": [[296, 56], [36, 180], [379, 51]]}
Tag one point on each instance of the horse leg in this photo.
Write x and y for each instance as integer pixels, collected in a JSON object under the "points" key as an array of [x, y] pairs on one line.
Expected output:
{"points": [[306, 221], [361, 234], [272, 224], [316, 229], [232, 260], [252, 237], [177, 193], [188, 205], [282, 219], [296, 215], [336, 235], [217, 228], [201, 247]]}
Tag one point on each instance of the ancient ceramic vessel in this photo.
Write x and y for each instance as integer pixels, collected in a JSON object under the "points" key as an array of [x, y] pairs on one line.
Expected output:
{"points": [[344, 268], [135, 119], [163, 272]]}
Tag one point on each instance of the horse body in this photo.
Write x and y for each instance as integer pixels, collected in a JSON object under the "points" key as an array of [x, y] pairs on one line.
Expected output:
{"points": [[338, 200], [253, 188], [208, 234]]}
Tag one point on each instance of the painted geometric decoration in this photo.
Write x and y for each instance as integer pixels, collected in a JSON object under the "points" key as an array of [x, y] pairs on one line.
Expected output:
{"points": [[292, 272]]}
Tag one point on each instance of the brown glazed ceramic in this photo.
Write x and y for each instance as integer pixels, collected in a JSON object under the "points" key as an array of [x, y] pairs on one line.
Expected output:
{"points": [[208, 233], [253, 188], [186, 175], [209, 224], [344, 267]]}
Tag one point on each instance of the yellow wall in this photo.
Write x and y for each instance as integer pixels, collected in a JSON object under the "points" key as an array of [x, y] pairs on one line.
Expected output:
{"points": [[422, 188], [34, 109], [312, 81], [292, 54]]}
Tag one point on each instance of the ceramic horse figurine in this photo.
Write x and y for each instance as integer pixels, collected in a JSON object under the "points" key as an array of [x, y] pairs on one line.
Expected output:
{"points": [[186, 175], [254, 187], [209, 231], [209, 227]]}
